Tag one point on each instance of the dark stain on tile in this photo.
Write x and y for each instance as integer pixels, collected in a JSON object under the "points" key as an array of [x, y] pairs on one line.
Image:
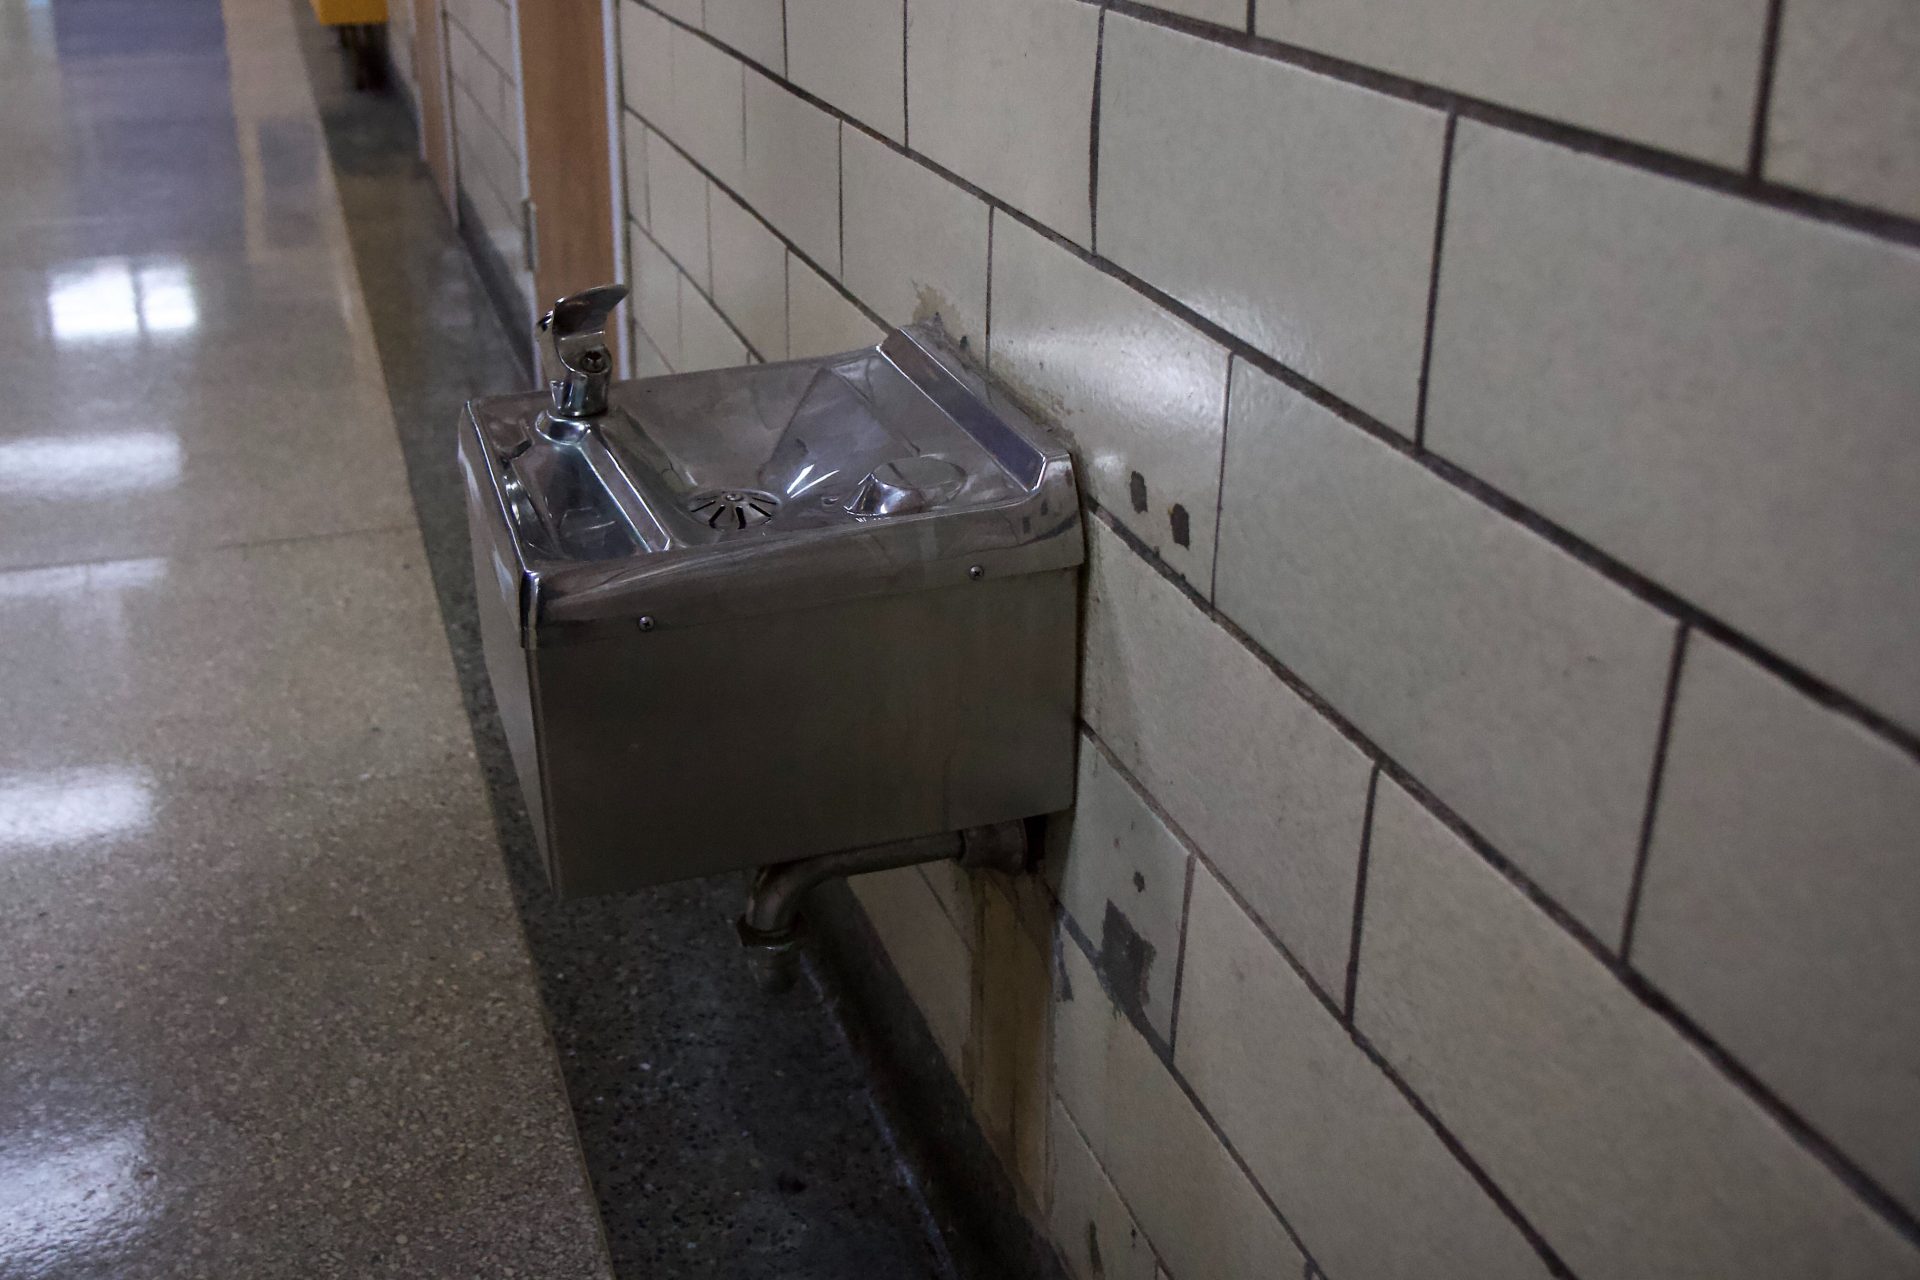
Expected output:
{"points": [[1181, 525], [1126, 960], [1137, 491]]}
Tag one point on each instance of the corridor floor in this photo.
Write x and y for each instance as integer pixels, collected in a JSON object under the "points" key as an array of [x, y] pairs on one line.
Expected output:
{"points": [[267, 1005]]}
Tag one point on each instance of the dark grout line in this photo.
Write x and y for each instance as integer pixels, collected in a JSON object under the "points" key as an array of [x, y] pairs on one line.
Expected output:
{"points": [[1433, 282], [986, 338], [906, 102], [1763, 91], [1875, 222], [1655, 777], [1093, 135], [1809, 1137], [1602, 562], [1180, 961], [1220, 484], [1360, 893]]}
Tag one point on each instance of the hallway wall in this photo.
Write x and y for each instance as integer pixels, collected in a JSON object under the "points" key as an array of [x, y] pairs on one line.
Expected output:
{"points": [[486, 128], [1496, 848]]}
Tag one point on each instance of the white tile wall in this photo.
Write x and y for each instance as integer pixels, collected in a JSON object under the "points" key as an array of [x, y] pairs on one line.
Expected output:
{"points": [[487, 159], [1122, 876], [1097, 1235], [756, 28], [1682, 77], [677, 203], [1012, 1032], [1779, 901], [704, 116], [656, 294], [820, 321], [1201, 1214], [1625, 1147], [492, 89], [954, 886], [1358, 1173], [749, 275], [490, 24], [925, 951], [1846, 102], [1142, 394], [647, 360], [1675, 370], [706, 341], [634, 145], [1295, 210], [1001, 92], [1517, 683], [1267, 788], [916, 244], [850, 53], [646, 62], [1613, 347], [793, 169]]}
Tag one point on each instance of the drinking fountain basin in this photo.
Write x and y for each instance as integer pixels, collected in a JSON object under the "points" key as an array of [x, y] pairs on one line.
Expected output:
{"points": [[747, 616]]}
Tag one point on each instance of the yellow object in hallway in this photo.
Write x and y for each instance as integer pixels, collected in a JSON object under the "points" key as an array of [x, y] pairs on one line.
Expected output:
{"points": [[340, 13]]}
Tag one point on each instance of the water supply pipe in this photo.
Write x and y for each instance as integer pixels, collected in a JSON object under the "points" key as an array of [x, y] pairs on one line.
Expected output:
{"points": [[770, 928]]}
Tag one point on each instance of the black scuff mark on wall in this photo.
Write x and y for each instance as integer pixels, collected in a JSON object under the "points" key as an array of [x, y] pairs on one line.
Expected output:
{"points": [[1181, 524], [1094, 1264], [1126, 960], [1137, 492]]}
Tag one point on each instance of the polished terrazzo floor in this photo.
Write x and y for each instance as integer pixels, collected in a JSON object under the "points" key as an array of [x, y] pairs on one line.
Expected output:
{"points": [[729, 1134], [265, 1005]]}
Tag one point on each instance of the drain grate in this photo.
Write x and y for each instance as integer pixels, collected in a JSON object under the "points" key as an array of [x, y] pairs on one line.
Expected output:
{"points": [[733, 509]]}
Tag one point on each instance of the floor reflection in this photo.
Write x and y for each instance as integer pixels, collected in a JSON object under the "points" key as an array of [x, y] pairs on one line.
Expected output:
{"points": [[89, 466], [115, 299], [52, 809], [63, 1199]]}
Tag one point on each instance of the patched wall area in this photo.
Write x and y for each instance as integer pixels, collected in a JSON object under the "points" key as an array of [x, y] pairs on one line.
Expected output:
{"points": [[1498, 843]]}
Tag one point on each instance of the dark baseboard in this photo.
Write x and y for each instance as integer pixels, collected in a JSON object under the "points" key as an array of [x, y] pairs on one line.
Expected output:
{"points": [[966, 1189]]}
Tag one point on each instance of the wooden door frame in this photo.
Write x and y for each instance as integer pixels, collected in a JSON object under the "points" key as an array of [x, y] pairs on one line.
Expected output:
{"points": [[616, 170], [534, 305]]}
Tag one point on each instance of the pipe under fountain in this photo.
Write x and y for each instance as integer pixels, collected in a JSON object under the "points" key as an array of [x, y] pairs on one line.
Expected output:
{"points": [[771, 927]]}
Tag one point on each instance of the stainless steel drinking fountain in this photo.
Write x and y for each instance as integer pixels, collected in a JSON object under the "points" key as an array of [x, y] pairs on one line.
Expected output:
{"points": [[816, 617]]}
